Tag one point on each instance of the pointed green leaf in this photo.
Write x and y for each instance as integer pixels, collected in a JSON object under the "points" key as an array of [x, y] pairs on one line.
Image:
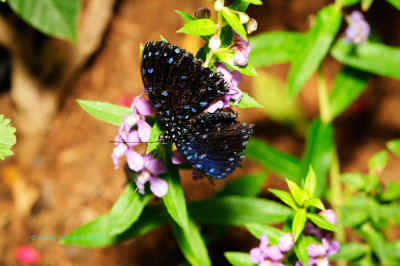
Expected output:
{"points": [[234, 22], [153, 142], [365, 4], [299, 222], [191, 243], [394, 146], [378, 162], [186, 17], [314, 48], [227, 57], [298, 194], [254, 2], [356, 180], [285, 197], [248, 102], [315, 202], [350, 2], [363, 57], [395, 3], [174, 200], [199, 27], [348, 85], [376, 241], [318, 153], [271, 48], [311, 182], [300, 249], [238, 258], [107, 112], [322, 222], [57, 18], [7, 138], [256, 229], [237, 210], [279, 163], [239, 5]]}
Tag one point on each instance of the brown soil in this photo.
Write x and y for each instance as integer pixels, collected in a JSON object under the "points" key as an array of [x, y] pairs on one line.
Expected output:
{"points": [[72, 180]]}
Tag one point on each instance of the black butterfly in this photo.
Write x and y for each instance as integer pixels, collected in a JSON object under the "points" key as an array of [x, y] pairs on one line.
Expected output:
{"points": [[180, 89]]}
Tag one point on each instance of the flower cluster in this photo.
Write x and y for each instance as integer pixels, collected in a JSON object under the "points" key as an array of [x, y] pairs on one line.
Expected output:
{"points": [[358, 29], [266, 254], [134, 130], [318, 252]]}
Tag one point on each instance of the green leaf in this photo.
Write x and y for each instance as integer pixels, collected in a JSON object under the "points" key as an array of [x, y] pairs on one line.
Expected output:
{"points": [[350, 2], [318, 153], [356, 180], [285, 197], [363, 57], [393, 249], [322, 222], [234, 22], [248, 102], [57, 18], [239, 5], [226, 36], [198, 27], [298, 194], [376, 241], [254, 2], [299, 222], [271, 48], [153, 142], [279, 163], [271, 92], [390, 192], [314, 48], [348, 85], [191, 244], [352, 217], [227, 57], [186, 17], [107, 112], [394, 146], [350, 251], [237, 210], [7, 138], [248, 185], [315, 202], [311, 183], [365, 4], [94, 234], [378, 162], [300, 249], [395, 3], [127, 210], [256, 229], [238, 258], [174, 200]]}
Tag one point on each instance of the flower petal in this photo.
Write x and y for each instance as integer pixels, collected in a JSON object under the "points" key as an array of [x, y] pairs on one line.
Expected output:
{"points": [[333, 248], [158, 186], [155, 166], [273, 253], [316, 250], [144, 130], [215, 106], [255, 255], [143, 107], [177, 157], [134, 160], [286, 242]]}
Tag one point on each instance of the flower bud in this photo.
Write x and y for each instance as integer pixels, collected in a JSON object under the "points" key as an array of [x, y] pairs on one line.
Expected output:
{"points": [[251, 25], [202, 12], [329, 215], [218, 5], [243, 17], [286, 242], [215, 42]]}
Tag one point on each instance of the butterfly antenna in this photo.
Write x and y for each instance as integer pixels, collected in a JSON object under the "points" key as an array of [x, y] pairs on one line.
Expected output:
{"points": [[141, 178]]}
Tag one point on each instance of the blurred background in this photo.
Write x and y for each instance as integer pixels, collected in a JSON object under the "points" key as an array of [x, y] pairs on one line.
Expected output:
{"points": [[62, 176]]}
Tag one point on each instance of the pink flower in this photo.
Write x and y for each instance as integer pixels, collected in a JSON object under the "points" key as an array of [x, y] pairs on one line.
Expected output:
{"points": [[266, 254], [27, 255], [233, 79], [242, 50], [358, 29]]}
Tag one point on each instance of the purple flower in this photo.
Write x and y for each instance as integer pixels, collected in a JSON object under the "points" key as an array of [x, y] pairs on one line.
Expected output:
{"points": [[148, 173], [318, 252], [286, 242], [242, 50], [358, 28], [233, 79], [329, 215], [128, 136], [266, 254], [202, 12]]}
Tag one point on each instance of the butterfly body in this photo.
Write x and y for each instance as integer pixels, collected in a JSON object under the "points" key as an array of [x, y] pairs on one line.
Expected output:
{"points": [[180, 89]]}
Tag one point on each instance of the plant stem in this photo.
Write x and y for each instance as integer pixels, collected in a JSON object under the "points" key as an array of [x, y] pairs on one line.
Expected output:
{"points": [[218, 33]]}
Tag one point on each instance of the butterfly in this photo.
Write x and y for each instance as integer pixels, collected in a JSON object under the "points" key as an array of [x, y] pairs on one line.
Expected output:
{"points": [[180, 89]]}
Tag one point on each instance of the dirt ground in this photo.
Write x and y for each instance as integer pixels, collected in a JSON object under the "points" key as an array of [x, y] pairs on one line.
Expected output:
{"points": [[72, 180]]}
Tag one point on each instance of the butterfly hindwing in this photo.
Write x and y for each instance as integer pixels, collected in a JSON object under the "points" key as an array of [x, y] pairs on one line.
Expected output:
{"points": [[177, 84], [215, 143]]}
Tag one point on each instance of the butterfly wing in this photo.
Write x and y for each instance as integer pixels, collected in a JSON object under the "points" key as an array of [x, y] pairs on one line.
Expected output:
{"points": [[177, 84], [215, 143]]}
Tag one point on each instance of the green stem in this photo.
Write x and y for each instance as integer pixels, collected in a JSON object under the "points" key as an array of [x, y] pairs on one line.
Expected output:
{"points": [[338, 4], [218, 33]]}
